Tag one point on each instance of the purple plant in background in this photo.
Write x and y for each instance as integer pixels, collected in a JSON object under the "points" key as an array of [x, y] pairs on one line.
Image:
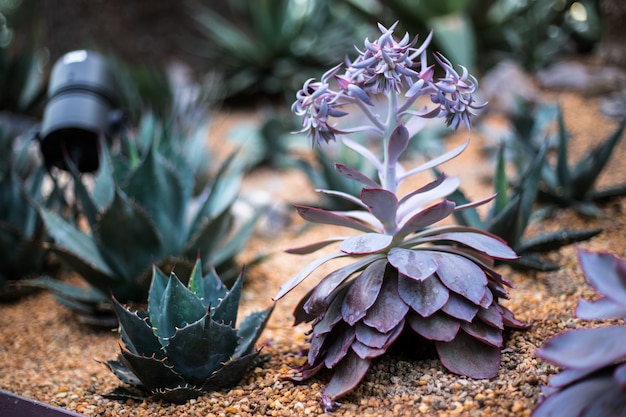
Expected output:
{"points": [[437, 282], [593, 382]]}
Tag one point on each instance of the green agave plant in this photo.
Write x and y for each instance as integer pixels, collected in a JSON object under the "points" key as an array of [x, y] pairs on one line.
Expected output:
{"points": [[21, 230], [565, 186], [187, 343], [139, 215], [511, 213]]}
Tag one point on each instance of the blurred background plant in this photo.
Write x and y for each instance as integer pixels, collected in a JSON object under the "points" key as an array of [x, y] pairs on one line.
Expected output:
{"points": [[22, 233], [481, 33], [139, 213], [266, 47], [512, 212]]}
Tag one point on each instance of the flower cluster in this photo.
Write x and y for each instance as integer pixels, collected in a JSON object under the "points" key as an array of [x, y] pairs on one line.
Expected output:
{"points": [[397, 69], [406, 275]]}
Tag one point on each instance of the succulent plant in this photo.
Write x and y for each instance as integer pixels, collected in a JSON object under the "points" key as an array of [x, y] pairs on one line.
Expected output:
{"points": [[22, 234], [565, 186], [593, 379], [262, 48], [187, 343], [405, 275], [138, 215], [511, 214]]}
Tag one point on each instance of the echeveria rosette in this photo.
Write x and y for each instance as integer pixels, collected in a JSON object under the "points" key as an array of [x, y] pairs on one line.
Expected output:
{"points": [[438, 282], [593, 379], [187, 343]]}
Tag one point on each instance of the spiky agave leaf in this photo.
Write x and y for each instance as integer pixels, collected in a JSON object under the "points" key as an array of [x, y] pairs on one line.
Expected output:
{"points": [[573, 186], [187, 342], [593, 378]]}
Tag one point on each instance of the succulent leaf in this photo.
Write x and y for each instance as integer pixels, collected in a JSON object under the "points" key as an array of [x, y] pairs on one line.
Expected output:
{"points": [[225, 311], [347, 375], [353, 174], [602, 308], [153, 373], [426, 298], [479, 240], [439, 327], [576, 348], [179, 307], [200, 338], [76, 247], [398, 142], [606, 273], [363, 293], [383, 204], [462, 276], [318, 300], [167, 206], [576, 399], [415, 264], [316, 215], [467, 356], [129, 257], [594, 375], [249, 331], [366, 243], [229, 374], [136, 333]]}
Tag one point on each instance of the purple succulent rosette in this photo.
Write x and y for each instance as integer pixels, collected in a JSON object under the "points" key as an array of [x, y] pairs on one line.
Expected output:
{"points": [[406, 273], [593, 379]]}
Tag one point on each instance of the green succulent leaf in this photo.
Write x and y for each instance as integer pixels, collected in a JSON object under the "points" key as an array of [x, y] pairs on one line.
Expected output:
{"points": [[222, 193], [124, 373], [119, 224], [500, 183], [226, 311], [154, 374], [104, 183], [157, 187], [199, 349], [89, 296], [235, 243], [249, 331], [587, 170], [555, 240], [136, 333], [562, 169], [230, 373], [210, 234], [76, 248], [156, 294], [177, 308]]}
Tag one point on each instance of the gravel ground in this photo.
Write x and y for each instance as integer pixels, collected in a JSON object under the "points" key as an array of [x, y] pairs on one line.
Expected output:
{"points": [[46, 355]]}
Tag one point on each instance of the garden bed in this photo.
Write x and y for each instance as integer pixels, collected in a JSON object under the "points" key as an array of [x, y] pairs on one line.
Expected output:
{"points": [[47, 356]]}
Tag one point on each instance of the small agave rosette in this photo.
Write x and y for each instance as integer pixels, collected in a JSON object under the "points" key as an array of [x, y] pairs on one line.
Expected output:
{"points": [[593, 379], [187, 343], [438, 282]]}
